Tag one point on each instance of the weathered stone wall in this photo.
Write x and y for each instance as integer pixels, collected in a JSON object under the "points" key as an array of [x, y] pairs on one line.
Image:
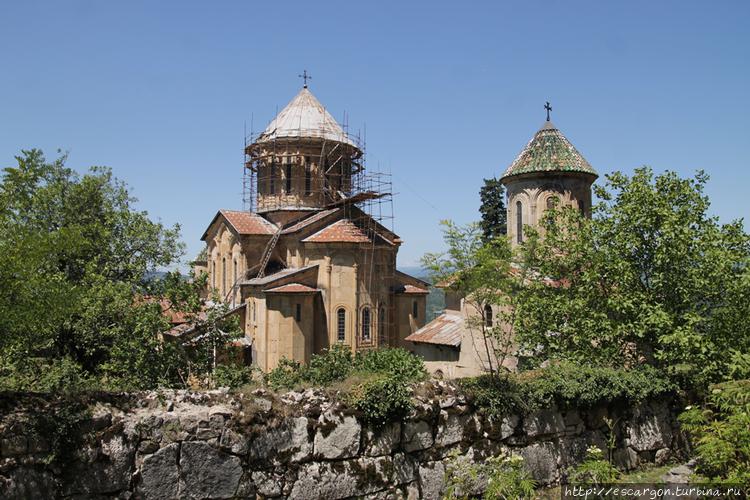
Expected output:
{"points": [[300, 445]]}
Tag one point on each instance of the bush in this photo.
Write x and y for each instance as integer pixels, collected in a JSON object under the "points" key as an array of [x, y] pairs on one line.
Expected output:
{"points": [[594, 470], [333, 365], [506, 478], [287, 375], [232, 376], [720, 432], [381, 400], [43, 375], [397, 362], [566, 386]]}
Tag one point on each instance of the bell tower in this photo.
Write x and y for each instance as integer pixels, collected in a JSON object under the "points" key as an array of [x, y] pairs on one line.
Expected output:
{"points": [[303, 161], [548, 167]]}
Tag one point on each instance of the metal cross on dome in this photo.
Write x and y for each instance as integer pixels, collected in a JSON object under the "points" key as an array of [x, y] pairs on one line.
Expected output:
{"points": [[548, 108], [305, 77]]}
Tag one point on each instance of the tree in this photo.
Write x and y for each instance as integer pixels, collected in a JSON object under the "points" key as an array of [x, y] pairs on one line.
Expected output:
{"points": [[651, 278], [74, 254], [494, 216], [482, 274]]}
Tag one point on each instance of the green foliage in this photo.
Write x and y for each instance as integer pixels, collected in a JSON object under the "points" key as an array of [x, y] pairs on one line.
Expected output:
{"points": [[652, 278], [337, 363], [382, 378], [506, 476], [61, 430], [74, 251], [594, 470], [720, 432], [481, 273], [383, 399], [565, 385], [398, 363], [494, 216], [232, 376]]}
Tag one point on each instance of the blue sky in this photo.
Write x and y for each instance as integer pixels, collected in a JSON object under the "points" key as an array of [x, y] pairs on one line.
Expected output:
{"points": [[449, 92]]}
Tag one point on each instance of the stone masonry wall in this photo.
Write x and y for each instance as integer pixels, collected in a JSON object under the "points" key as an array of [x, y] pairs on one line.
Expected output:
{"points": [[301, 445]]}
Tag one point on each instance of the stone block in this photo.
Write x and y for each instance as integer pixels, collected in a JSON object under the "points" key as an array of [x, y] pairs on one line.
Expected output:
{"points": [[431, 480], [417, 435], [160, 474], [287, 442], [206, 472], [337, 436], [544, 423], [383, 440]]}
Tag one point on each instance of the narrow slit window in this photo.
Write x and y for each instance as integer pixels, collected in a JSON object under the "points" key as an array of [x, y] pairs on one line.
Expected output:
{"points": [[298, 312], [582, 208], [488, 316], [224, 275], [341, 324], [415, 309], [308, 176], [519, 222], [366, 324], [381, 325], [288, 175], [272, 178]]}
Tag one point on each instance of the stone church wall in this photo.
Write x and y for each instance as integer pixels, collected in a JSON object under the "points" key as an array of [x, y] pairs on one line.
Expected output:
{"points": [[300, 445]]}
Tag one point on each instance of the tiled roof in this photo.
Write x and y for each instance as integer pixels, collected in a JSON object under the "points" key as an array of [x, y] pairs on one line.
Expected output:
{"points": [[292, 288], [301, 224], [248, 222], [304, 116], [549, 151], [342, 231], [446, 329], [414, 289], [278, 275]]}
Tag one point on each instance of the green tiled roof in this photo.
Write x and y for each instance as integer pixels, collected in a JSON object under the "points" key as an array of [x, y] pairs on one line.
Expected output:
{"points": [[549, 151]]}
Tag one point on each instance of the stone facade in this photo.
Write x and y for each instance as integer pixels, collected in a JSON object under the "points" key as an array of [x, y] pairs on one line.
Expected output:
{"points": [[300, 445], [309, 267]]}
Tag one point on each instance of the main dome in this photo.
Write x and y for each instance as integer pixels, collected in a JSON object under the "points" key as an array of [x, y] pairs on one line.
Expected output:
{"points": [[304, 117]]}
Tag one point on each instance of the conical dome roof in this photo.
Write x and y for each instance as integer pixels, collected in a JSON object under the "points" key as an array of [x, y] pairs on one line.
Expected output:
{"points": [[304, 117], [549, 151]]}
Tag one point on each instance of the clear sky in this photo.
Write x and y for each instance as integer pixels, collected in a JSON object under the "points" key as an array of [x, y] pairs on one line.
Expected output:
{"points": [[449, 92]]}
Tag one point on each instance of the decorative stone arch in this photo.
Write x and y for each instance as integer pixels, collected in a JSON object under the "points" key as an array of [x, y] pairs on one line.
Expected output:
{"points": [[338, 321], [527, 218]]}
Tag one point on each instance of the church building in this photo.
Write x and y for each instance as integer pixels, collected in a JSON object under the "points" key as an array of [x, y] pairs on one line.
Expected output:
{"points": [[548, 171], [307, 266]]}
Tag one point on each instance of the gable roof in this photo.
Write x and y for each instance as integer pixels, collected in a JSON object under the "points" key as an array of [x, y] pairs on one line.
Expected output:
{"points": [[284, 273], [244, 223], [292, 288], [304, 117], [341, 231], [549, 151], [446, 329], [306, 221]]}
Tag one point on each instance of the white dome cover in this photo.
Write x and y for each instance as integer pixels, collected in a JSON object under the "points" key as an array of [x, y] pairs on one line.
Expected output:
{"points": [[304, 117]]}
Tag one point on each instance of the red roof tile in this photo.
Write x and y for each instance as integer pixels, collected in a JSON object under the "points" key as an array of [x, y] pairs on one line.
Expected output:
{"points": [[248, 222], [292, 288], [446, 329], [414, 289], [342, 231]]}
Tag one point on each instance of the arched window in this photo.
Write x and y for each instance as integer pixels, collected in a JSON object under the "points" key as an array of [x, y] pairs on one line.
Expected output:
{"points": [[381, 325], [488, 316], [298, 312], [253, 304], [582, 207], [288, 175], [223, 275], [341, 324], [415, 309], [272, 178], [213, 274], [551, 202], [519, 222], [234, 273], [308, 176], [366, 324]]}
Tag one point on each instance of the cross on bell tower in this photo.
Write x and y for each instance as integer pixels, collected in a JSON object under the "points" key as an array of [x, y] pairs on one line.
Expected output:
{"points": [[548, 108], [305, 77]]}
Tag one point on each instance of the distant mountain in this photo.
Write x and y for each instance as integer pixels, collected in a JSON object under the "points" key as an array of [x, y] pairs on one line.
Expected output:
{"points": [[416, 271]]}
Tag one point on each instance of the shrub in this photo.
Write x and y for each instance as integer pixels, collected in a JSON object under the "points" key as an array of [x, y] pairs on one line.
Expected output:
{"points": [[720, 432], [382, 399], [397, 362], [232, 376], [565, 385], [506, 478], [594, 470], [287, 375], [332, 365]]}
